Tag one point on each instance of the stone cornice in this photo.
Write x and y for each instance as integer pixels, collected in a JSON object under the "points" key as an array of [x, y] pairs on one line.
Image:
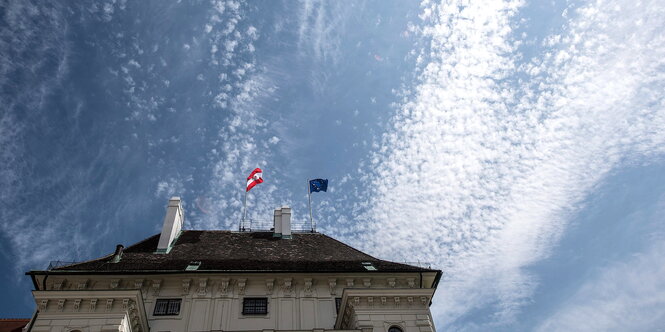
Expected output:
{"points": [[84, 303], [381, 299]]}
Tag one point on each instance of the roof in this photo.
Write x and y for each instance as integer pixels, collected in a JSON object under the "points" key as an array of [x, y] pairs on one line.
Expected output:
{"points": [[229, 251], [13, 324]]}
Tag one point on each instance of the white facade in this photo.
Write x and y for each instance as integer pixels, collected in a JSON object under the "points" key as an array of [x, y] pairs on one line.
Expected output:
{"points": [[209, 301]]}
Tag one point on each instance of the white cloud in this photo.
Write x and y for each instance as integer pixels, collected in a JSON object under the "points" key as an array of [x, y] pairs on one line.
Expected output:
{"points": [[625, 296], [481, 170]]}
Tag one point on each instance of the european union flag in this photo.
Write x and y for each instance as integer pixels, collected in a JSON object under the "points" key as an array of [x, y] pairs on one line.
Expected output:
{"points": [[317, 185]]}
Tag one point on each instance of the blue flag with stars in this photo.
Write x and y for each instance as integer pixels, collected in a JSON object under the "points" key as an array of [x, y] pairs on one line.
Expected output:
{"points": [[317, 185]]}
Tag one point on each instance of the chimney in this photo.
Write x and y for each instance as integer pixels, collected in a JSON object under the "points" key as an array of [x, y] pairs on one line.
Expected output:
{"points": [[286, 222], [172, 225], [118, 253], [277, 230]]}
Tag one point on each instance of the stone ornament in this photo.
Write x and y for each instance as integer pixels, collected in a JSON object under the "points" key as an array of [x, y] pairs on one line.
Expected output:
{"points": [[203, 286], [332, 283], [308, 286], [287, 286], [82, 284], [77, 304], [93, 305], [349, 282], [115, 283], [185, 285], [109, 304], [242, 283], [224, 286], [156, 285], [270, 284]]}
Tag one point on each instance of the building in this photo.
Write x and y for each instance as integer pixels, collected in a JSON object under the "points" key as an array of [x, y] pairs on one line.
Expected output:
{"points": [[13, 324], [277, 280]]}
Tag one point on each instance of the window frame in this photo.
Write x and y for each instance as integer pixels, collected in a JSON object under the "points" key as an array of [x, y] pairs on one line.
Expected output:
{"points": [[396, 327], [254, 306], [167, 307]]}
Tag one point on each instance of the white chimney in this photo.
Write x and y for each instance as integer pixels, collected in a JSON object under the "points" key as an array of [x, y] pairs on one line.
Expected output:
{"points": [[278, 223], [172, 225], [286, 222]]}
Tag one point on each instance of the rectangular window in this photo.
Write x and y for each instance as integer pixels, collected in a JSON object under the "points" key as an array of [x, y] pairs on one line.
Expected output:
{"points": [[167, 307], [255, 306]]}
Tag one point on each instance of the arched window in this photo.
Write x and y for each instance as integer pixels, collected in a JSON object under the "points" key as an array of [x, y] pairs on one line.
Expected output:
{"points": [[395, 329]]}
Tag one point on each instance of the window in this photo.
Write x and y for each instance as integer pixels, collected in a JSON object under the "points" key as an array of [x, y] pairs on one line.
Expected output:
{"points": [[255, 306], [338, 303], [394, 329], [167, 307], [368, 266]]}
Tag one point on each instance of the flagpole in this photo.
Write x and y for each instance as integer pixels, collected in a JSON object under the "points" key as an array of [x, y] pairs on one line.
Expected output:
{"points": [[244, 212], [309, 195]]}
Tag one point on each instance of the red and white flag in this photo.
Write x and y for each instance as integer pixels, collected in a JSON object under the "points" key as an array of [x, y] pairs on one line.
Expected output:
{"points": [[254, 178]]}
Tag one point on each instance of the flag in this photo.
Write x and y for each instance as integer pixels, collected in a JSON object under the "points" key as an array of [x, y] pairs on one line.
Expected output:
{"points": [[317, 185], [254, 178]]}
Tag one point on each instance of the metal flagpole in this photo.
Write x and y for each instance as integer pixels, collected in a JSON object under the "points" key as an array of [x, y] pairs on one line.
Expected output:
{"points": [[309, 195], [244, 212]]}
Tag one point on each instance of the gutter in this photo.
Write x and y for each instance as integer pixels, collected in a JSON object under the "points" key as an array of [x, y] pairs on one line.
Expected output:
{"points": [[115, 272]]}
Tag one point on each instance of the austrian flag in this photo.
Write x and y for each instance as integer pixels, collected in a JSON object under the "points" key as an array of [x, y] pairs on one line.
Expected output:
{"points": [[254, 178]]}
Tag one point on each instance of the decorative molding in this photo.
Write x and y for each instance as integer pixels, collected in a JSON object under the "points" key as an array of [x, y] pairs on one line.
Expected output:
{"points": [[409, 299], [391, 282], [270, 284], [203, 286], [349, 282], [130, 301], [125, 304], [156, 285], [115, 283], [367, 282], [308, 286], [287, 286], [224, 286], [397, 299], [43, 304], [109, 304], [424, 300], [332, 283], [383, 300], [185, 285], [58, 284], [356, 300], [370, 301], [411, 282], [242, 283], [93, 305], [138, 283], [82, 284]]}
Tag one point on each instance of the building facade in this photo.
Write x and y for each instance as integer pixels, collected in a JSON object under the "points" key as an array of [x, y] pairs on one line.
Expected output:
{"points": [[277, 280]]}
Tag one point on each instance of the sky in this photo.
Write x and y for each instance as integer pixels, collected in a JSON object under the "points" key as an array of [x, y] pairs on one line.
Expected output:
{"points": [[518, 146]]}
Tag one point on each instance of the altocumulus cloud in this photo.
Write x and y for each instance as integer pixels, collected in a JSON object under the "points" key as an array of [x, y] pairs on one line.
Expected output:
{"points": [[490, 154]]}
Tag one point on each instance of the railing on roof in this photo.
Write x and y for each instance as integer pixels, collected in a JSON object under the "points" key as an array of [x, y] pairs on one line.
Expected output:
{"points": [[56, 264], [253, 225], [426, 265]]}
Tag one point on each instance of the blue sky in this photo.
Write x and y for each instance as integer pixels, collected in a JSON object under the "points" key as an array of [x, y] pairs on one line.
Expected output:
{"points": [[519, 146]]}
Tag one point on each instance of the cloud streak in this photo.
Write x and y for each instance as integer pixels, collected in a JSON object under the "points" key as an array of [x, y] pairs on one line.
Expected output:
{"points": [[491, 154]]}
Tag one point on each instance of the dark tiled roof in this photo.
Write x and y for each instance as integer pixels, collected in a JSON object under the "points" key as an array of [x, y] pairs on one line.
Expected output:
{"points": [[235, 251]]}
